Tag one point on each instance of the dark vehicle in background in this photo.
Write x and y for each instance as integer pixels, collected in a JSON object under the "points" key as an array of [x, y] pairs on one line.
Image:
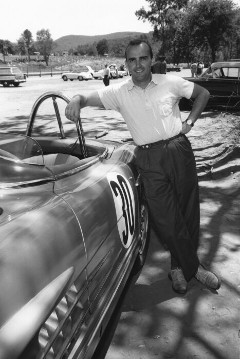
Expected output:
{"points": [[222, 80], [11, 75], [74, 229], [171, 67]]}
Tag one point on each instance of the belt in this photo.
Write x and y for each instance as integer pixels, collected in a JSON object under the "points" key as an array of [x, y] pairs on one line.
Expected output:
{"points": [[147, 146]]}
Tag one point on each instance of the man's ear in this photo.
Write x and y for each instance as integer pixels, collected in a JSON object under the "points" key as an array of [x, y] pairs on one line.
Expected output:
{"points": [[127, 66]]}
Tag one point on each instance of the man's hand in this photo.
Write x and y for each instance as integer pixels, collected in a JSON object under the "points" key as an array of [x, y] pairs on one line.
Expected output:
{"points": [[78, 102], [73, 109], [185, 127]]}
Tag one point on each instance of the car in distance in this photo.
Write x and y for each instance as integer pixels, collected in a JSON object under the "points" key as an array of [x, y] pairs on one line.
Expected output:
{"points": [[115, 72], [95, 74], [122, 70], [82, 73], [171, 67], [11, 75], [74, 229], [222, 80]]}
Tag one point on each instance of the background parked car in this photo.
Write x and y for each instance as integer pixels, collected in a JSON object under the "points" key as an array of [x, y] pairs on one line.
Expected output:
{"points": [[115, 72], [82, 73], [222, 80], [11, 75], [123, 70], [171, 67], [95, 74]]}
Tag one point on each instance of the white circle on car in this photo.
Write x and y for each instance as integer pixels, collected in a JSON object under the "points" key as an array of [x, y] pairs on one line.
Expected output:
{"points": [[125, 206]]}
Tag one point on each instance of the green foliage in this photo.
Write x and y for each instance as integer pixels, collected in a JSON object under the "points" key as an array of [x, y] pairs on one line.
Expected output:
{"points": [[211, 22], [197, 29], [5, 48], [102, 47], [25, 43], [44, 44]]}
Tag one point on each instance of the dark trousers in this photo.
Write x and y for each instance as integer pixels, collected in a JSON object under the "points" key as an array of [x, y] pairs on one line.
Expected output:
{"points": [[169, 175], [106, 80]]}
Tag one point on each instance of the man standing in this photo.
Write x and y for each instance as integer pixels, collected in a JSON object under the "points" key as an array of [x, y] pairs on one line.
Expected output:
{"points": [[194, 69], [164, 157], [160, 66], [106, 75]]}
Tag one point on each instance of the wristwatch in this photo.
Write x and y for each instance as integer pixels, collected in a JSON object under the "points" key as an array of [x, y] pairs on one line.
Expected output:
{"points": [[189, 122]]}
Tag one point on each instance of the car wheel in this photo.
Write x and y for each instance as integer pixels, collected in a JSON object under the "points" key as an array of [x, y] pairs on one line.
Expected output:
{"points": [[143, 238], [64, 78], [16, 84], [5, 84], [80, 78]]}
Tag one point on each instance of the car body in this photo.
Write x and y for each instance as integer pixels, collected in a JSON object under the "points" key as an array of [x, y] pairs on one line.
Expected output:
{"points": [[122, 70], [81, 73], [95, 74], [115, 72], [171, 67], [74, 229], [222, 80], [11, 75]]}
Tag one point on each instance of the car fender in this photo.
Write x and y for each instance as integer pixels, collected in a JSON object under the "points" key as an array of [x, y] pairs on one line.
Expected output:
{"points": [[17, 332]]}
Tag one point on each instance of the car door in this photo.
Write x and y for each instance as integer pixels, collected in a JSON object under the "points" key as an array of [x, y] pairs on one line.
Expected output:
{"points": [[223, 84], [104, 198], [42, 252]]}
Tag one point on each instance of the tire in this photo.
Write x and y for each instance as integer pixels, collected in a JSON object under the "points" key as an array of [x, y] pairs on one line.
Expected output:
{"points": [[5, 84], [64, 78], [16, 84], [80, 78], [143, 238]]}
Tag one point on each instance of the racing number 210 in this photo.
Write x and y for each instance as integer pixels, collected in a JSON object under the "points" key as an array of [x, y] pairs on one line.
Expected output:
{"points": [[124, 199]]}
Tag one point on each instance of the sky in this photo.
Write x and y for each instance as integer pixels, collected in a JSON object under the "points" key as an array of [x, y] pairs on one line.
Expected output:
{"points": [[70, 17]]}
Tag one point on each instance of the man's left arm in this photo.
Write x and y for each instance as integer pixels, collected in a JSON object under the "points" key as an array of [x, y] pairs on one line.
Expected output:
{"points": [[201, 97]]}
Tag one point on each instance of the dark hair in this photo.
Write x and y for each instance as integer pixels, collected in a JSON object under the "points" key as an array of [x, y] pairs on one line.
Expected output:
{"points": [[137, 42]]}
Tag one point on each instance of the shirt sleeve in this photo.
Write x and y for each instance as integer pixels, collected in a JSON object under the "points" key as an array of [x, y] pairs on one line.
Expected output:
{"points": [[108, 96], [185, 88]]}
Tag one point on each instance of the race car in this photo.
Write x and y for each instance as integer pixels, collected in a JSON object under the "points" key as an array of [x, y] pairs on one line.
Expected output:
{"points": [[74, 229]]}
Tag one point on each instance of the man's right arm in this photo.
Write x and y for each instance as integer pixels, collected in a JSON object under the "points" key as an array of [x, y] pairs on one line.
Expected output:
{"points": [[74, 107]]}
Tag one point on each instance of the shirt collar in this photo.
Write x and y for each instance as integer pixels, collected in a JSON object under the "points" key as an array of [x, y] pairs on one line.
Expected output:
{"points": [[155, 81]]}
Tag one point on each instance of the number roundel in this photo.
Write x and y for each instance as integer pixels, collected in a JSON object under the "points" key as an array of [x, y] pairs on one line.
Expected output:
{"points": [[125, 207]]}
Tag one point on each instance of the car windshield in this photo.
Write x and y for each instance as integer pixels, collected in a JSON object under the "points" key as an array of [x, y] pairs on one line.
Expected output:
{"points": [[16, 70], [82, 69], [221, 72], [22, 148]]}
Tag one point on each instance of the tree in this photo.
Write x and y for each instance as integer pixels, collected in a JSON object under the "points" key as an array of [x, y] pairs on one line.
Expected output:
{"points": [[211, 23], [102, 47], [25, 43], [158, 15], [6, 47], [44, 44]]}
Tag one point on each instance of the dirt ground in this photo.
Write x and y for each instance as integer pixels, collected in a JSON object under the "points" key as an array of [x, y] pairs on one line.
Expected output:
{"points": [[156, 322]]}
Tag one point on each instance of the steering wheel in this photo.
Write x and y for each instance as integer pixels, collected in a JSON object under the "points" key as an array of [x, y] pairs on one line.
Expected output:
{"points": [[54, 96]]}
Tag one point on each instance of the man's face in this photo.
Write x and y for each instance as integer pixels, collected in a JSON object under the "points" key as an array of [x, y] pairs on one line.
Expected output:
{"points": [[139, 64]]}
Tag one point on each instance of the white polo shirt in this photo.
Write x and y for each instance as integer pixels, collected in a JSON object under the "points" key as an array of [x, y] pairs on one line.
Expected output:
{"points": [[151, 114]]}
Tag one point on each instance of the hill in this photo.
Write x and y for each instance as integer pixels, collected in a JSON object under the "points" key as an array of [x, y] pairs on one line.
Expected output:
{"points": [[68, 42]]}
